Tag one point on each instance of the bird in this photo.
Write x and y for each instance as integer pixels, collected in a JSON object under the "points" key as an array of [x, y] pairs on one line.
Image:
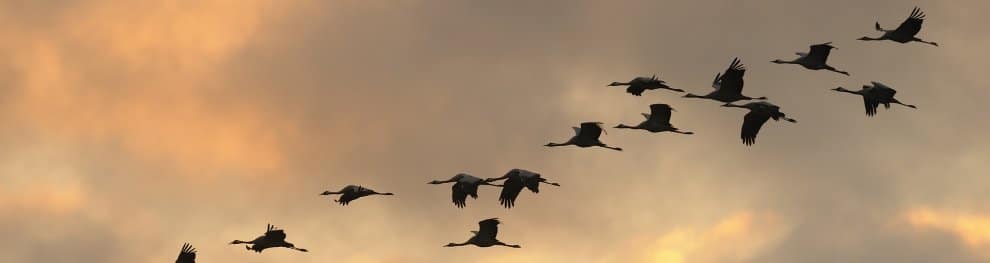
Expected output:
{"points": [[875, 95], [759, 113], [905, 32], [728, 86], [187, 254], [515, 180], [485, 236], [351, 192], [273, 237], [639, 84], [814, 59], [464, 185], [658, 120], [586, 136]]}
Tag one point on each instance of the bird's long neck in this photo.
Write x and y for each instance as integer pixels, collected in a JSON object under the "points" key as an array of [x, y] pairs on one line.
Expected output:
{"points": [[507, 245], [778, 61], [623, 126], [681, 132], [841, 89], [621, 83], [895, 101], [692, 95], [553, 144], [235, 242], [457, 244], [330, 193]]}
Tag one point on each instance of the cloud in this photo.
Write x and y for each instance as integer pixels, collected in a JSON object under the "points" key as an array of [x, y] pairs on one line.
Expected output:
{"points": [[972, 229]]}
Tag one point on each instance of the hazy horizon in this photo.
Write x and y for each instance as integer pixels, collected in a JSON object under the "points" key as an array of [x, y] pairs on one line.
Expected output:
{"points": [[131, 128]]}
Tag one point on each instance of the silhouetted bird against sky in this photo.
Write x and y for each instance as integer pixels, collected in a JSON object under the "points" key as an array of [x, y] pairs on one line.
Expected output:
{"points": [[815, 59], [351, 192], [273, 238], [759, 113], [485, 236], [728, 86], [464, 185], [906, 31], [586, 136], [658, 120], [640, 84], [875, 95], [187, 254], [515, 180]]}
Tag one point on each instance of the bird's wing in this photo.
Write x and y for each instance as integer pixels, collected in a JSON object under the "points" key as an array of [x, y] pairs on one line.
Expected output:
{"points": [[459, 194], [636, 89], [577, 130], [879, 85], [187, 254], [274, 233], [752, 123], [660, 113], [912, 24], [530, 180], [871, 105], [510, 190], [820, 52], [590, 131], [800, 54], [488, 228], [717, 82], [732, 79]]}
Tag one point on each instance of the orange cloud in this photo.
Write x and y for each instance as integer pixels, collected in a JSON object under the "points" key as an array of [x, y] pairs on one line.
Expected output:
{"points": [[148, 84], [736, 238], [973, 230]]}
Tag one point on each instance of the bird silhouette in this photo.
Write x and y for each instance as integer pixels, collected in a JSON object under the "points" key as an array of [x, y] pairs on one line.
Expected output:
{"points": [[815, 59], [905, 32], [759, 113], [639, 84], [351, 192], [485, 236], [728, 86], [273, 238], [658, 120], [875, 95], [515, 180], [187, 254], [464, 185], [586, 136]]}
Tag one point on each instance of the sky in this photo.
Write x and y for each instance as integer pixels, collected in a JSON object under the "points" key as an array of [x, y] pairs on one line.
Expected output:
{"points": [[129, 128]]}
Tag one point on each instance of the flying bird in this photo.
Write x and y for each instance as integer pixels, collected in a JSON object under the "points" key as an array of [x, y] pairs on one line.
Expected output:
{"points": [[464, 185], [640, 84], [485, 236], [759, 113], [351, 192], [905, 32], [728, 86], [814, 59], [187, 254], [875, 95], [658, 120], [273, 237], [515, 180], [586, 136]]}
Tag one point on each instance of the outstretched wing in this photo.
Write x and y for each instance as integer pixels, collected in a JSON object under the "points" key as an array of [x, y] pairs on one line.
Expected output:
{"points": [[820, 52], [752, 123], [590, 131], [187, 254], [732, 80], [912, 24], [510, 190], [459, 193], [488, 228], [274, 234], [660, 113], [871, 105]]}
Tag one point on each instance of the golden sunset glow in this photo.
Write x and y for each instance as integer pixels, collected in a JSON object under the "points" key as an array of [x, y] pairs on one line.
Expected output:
{"points": [[130, 128]]}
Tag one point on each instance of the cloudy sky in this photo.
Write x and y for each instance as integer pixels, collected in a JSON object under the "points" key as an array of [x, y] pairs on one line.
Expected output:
{"points": [[129, 128]]}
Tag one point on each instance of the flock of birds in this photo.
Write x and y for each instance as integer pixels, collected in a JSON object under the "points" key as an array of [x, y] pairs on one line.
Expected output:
{"points": [[728, 89]]}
